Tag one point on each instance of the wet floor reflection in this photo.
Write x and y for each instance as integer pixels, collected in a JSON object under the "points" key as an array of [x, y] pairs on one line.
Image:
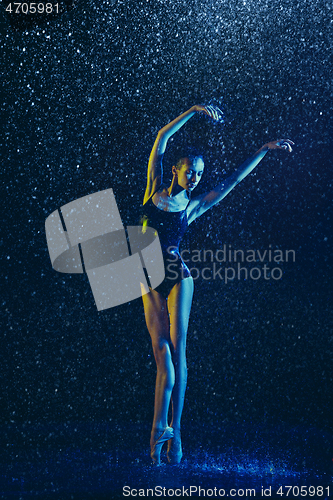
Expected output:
{"points": [[101, 462]]}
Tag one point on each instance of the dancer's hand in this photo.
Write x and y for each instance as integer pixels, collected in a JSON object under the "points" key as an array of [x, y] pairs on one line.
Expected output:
{"points": [[279, 144], [212, 111]]}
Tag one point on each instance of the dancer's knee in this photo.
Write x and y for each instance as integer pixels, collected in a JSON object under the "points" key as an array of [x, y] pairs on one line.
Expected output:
{"points": [[165, 368], [179, 354], [179, 360], [162, 352]]}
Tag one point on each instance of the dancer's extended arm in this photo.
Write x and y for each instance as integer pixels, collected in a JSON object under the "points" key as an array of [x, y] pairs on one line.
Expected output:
{"points": [[200, 204], [154, 174]]}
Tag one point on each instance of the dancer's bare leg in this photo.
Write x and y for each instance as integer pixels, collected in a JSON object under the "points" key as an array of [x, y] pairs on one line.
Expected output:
{"points": [[157, 320], [179, 306]]}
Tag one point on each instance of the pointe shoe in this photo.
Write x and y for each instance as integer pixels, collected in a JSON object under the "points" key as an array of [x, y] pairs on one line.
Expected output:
{"points": [[156, 446], [175, 452]]}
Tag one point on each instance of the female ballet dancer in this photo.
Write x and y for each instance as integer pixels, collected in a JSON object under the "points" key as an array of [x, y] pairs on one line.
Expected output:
{"points": [[170, 210]]}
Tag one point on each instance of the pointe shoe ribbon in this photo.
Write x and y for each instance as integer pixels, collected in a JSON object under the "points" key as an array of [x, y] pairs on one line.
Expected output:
{"points": [[156, 447], [174, 452]]}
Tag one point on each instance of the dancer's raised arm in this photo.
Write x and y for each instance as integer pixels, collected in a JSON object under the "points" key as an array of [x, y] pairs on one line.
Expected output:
{"points": [[155, 172], [200, 204]]}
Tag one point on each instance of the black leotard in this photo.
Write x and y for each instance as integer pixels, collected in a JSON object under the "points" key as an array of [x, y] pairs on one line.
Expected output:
{"points": [[171, 227]]}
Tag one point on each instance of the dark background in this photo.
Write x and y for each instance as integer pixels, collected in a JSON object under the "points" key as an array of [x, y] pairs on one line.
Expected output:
{"points": [[83, 97]]}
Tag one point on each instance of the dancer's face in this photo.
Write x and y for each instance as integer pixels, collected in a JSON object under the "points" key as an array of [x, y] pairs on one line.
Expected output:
{"points": [[189, 175]]}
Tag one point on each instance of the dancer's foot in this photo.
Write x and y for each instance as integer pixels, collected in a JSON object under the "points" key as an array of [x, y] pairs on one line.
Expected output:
{"points": [[175, 452], [158, 438]]}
